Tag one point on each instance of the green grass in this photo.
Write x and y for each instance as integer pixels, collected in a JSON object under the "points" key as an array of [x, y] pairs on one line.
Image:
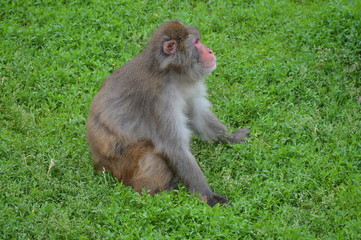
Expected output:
{"points": [[291, 70]]}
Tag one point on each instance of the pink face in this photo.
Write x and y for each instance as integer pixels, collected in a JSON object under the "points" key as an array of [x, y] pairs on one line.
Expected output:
{"points": [[206, 56]]}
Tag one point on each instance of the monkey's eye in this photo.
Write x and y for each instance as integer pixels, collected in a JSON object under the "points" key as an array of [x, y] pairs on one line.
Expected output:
{"points": [[196, 41]]}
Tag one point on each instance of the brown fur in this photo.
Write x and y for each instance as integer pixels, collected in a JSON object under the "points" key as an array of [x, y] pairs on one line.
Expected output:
{"points": [[136, 165]]}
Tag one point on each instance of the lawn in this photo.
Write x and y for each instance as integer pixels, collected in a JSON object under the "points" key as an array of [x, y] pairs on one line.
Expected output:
{"points": [[289, 69]]}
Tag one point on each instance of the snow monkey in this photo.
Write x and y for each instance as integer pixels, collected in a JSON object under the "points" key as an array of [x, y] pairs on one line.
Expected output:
{"points": [[141, 120]]}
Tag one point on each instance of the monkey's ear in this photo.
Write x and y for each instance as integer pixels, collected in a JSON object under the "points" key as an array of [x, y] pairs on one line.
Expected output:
{"points": [[170, 47]]}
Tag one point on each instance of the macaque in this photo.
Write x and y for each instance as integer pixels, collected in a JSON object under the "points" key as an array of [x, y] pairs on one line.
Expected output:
{"points": [[141, 120]]}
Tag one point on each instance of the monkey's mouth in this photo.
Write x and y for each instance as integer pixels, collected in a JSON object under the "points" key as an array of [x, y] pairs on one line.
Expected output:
{"points": [[210, 66]]}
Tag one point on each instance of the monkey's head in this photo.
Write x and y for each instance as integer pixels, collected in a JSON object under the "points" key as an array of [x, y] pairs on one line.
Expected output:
{"points": [[178, 46]]}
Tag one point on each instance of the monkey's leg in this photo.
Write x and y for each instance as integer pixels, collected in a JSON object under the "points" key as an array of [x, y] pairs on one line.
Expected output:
{"points": [[153, 174], [111, 164]]}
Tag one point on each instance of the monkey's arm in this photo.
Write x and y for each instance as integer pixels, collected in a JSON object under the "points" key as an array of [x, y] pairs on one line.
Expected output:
{"points": [[171, 139], [184, 164], [206, 125]]}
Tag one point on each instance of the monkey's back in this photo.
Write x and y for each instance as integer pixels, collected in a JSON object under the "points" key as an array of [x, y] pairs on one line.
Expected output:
{"points": [[125, 102]]}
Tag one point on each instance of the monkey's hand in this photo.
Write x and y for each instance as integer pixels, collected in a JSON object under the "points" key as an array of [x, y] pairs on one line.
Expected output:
{"points": [[239, 136], [214, 199]]}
